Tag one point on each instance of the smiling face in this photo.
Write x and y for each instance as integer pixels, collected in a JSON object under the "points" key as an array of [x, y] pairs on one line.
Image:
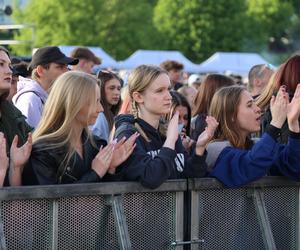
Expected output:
{"points": [[5, 73], [248, 114]]}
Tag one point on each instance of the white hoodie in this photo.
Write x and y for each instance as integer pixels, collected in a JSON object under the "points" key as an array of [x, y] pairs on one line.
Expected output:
{"points": [[30, 99]]}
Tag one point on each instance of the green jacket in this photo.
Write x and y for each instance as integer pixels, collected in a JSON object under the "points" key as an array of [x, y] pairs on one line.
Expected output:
{"points": [[12, 122]]}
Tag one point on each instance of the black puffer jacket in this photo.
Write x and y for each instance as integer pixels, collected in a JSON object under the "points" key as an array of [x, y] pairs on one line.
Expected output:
{"points": [[46, 167]]}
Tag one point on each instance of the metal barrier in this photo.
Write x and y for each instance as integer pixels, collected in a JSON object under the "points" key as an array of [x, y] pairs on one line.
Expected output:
{"points": [[262, 215], [92, 216], [123, 215]]}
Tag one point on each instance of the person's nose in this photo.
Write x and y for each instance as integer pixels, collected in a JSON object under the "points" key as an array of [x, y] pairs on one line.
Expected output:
{"points": [[9, 70], [257, 109]]}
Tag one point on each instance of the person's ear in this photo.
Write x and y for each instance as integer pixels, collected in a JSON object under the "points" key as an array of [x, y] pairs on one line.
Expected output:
{"points": [[138, 97], [40, 70], [81, 63]]}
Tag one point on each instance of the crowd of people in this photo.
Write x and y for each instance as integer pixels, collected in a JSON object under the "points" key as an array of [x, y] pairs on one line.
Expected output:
{"points": [[60, 123]]}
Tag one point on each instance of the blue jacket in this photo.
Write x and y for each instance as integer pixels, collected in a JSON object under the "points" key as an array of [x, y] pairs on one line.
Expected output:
{"points": [[235, 167], [150, 163]]}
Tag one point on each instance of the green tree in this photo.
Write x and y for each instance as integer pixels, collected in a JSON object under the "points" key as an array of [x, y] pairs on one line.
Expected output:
{"points": [[201, 27], [118, 26], [270, 22]]}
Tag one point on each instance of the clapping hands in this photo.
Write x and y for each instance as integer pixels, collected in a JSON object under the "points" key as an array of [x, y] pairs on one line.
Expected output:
{"points": [[293, 111], [205, 137], [110, 157]]}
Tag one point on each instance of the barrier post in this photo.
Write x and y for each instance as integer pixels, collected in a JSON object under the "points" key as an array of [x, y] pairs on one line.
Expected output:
{"points": [[2, 236], [116, 202], [263, 219], [54, 224]]}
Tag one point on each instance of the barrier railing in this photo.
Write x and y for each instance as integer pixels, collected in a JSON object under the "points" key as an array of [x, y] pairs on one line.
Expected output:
{"points": [[92, 216], [124, 215], [261, 215]]}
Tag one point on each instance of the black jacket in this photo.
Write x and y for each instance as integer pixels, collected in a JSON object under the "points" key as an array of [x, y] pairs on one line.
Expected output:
{"points": [[150, 163], [47, 167], [12, 123]]}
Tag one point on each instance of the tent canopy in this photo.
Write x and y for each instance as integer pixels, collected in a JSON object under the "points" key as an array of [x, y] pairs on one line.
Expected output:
{"points": [[156, 57], [107, 60], [237, 63]]}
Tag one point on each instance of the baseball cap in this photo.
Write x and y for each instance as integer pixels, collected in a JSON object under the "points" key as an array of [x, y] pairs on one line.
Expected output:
{"points": [[50, 54], [85, 53]]}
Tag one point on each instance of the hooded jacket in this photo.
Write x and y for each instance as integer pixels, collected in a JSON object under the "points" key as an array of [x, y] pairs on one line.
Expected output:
{"points": [[150, 163], [30, 99]]}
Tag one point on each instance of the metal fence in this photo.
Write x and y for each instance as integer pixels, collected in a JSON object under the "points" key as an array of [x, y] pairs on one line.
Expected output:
{"points": [[195, 213], [262, 215]]}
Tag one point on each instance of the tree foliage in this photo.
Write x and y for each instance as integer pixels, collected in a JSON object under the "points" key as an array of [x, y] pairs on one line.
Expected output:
{"points": [[118, 26], [198, 28], [201, 27]]}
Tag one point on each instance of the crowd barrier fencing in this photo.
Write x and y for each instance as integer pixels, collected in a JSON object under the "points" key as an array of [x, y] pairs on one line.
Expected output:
{"points": [[180, 214]]}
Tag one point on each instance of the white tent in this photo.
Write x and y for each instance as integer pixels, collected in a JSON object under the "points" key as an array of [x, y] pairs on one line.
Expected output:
{"points": [[236, 63], [156, 57], [107, 60]]}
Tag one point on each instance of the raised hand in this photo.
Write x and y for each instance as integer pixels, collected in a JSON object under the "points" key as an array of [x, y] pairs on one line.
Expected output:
{"points": [[205, 137], [172, 132], [279, 106], [123, 150], [3, 159], [19, 156], [293, 111], [102, 160]]}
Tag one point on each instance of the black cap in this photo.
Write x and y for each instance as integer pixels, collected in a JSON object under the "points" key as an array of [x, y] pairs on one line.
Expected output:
{"points": [[50, 54]]}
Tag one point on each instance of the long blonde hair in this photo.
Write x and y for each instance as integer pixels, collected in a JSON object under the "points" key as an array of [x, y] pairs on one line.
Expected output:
{"points": [[138, 81], [70, 92]]}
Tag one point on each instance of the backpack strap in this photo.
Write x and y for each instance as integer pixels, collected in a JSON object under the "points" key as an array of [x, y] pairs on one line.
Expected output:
{"points": [[30, 91]]}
